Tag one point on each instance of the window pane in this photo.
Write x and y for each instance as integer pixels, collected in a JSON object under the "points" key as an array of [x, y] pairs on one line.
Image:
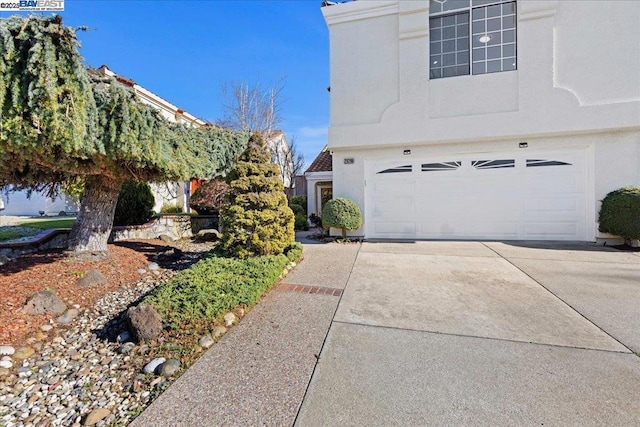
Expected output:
{"points": [[435, 73], [462, 30], [508, 50], [479, 68], [479, 13], [449, 46], [509, 36], [435, 48], [478, 27], [494, 38], [493, 24], [448, 72], [463, 44], [449, 59], [462, 70], [493, 52], [449, 20], [454, 4], [448, 33], [509, 64], [509, 9], [479, 54], [435, 22], [435, 34], [436, 60], [462, 58], [435, 7], [462, 18], [509, 22], [494, 11], [493, 66]]}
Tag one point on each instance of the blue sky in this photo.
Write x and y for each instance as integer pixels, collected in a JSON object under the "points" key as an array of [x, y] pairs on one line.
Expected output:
{"points": [[184, 50]]}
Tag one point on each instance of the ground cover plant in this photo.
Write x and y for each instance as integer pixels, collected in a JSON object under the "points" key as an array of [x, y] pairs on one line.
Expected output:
{"points": [[48, 224]]}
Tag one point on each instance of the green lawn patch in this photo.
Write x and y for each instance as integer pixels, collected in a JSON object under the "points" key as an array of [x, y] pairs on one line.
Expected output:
{"points": [[48, 224], [9, 235]]}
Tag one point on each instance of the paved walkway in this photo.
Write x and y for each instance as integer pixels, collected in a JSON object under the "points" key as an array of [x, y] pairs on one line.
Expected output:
{"points": [[258, 373], [428, 333]]}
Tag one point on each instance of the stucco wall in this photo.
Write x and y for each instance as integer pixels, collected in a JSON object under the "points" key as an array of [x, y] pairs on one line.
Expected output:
{"points": [[578, 71]]}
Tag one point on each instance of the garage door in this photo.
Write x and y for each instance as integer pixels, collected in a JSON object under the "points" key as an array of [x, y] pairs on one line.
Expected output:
{"points": [[539, 196]]}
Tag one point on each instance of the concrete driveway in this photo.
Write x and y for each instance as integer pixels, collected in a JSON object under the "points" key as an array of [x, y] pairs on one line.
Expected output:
{"points": [[473, 333]]}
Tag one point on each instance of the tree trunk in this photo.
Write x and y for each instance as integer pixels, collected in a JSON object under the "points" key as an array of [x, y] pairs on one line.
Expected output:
{"points": [[95, 219]]}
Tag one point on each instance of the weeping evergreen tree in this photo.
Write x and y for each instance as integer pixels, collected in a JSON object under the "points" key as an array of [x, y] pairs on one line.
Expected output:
{"points": [[60, 123], [258, 220]]}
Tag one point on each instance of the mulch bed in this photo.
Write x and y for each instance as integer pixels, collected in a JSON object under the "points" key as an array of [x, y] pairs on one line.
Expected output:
{"points": [[23, 277]]}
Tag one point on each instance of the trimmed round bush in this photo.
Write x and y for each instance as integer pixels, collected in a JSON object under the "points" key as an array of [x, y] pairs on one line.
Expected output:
{"points": [[299, 200], [300, 222], [620, 213], [297, 209], [135, 204], [341, 213]]}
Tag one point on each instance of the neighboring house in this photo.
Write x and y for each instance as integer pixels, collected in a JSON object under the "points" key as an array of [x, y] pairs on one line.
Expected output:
{"points": [[483, 119], [319, 178], [167, 193], [281, 156]]}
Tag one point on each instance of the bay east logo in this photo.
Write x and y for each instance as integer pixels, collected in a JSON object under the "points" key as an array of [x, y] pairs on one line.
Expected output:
{"points": [[32, 5]]}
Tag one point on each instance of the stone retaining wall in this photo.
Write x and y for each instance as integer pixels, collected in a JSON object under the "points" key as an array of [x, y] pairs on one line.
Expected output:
{"points": [[173, 226]]}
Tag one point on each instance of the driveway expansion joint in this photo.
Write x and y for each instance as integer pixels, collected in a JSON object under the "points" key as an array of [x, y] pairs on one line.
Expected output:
{"points": [[563, 301], [450, 334]]}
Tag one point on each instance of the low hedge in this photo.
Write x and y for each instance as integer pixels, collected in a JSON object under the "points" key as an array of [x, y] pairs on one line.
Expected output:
{"points": [[620, 213], [215, 285]]}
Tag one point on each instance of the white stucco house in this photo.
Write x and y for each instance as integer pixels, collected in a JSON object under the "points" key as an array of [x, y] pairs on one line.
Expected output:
{"points": [[483, 119], [166, 193]]}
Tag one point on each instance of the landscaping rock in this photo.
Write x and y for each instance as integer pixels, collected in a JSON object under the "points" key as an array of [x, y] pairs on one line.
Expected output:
{"points": [[153, 267], [123, 336], [7, 364], [142, 271], [95, 416], [166, 238], [229, 318], [46, 327], [208, 235], [145, 321], [151, 367], [4, 372], [68, 316], [219, 331], [92, 278], [23, 353], [6, 350], [126, 347], [170, 255], [206, 341], [169, 368], [44, 302]]}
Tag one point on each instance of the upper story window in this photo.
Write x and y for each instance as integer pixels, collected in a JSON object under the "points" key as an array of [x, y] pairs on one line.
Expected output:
{"points": [[471, 37]]}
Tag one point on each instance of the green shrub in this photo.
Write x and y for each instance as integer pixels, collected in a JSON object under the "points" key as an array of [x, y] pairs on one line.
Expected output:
{"points": [[341, 213], [297, 209], [620, 213], [135, 204], [214, 286], [300, 222], [211, 197], [172, 208], [258, 220], [294, 252], [300, 201]]}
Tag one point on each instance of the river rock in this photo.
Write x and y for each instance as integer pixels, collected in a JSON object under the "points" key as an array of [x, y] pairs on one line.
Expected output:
{"points": [[229, 318], [95, 416], [92, 278], [44, 302], [206, 341], [208, 235], [68, 316], [169, 368], [23, 353], [6, 364], [219, 331], [151, 367], [6, 350]]}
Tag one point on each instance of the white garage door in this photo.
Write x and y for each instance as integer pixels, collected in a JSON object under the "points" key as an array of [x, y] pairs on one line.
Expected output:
{"points": [[539, 196]]}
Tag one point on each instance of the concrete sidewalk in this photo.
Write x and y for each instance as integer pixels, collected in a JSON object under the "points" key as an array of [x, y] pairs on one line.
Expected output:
{"points": [[258, 373]]}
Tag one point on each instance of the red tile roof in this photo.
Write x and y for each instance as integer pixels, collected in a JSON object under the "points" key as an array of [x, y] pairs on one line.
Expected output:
{"points": [[322, 163]]}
